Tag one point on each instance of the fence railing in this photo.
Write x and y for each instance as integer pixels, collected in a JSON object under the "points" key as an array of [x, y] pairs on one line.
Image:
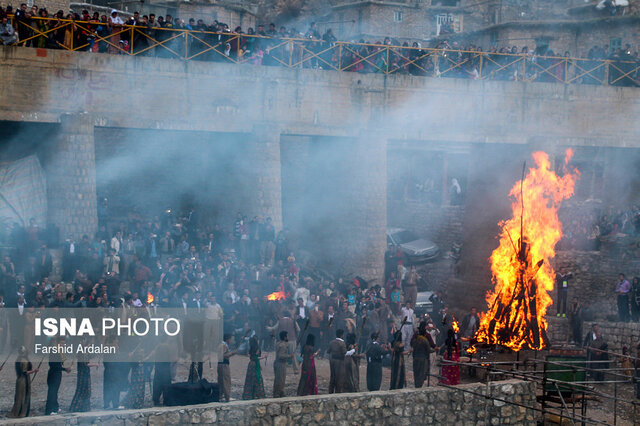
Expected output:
{"points": [[309, 53]]}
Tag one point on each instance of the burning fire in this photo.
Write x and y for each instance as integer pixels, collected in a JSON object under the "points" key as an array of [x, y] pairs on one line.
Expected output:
{"points": [[455, 326], [278, 295], [150, 298], [520, 265]]}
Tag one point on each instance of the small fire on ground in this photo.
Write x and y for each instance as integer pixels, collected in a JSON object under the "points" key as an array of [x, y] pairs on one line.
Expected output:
{"points": [[278, 295]]}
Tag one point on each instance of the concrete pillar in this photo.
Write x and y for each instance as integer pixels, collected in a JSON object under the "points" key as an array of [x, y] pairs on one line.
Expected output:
{"points": [[364, 217], [71, 178], [264, 173], [296, 158]]}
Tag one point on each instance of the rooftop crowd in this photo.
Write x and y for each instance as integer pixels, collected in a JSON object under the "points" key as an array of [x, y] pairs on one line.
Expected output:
{"points": [[182, 261], [263, 46]]}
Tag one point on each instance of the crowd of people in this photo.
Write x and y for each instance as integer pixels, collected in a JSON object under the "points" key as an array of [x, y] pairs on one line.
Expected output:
{"points": [[149, 35], [179, 261], [589, 228]]}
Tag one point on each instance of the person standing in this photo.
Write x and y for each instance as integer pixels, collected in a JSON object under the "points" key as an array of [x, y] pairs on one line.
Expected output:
{"points": [[374, 354], [635, 299], [623, 286], [337, 350], [22, 398], [398, 380], [308, 384], [592, 341], [316, 317], [411, 287], [470, 323], [433, 332], [253, 384], [54, 378], [81, 401], [422, 346], [287, 324], [280, 365], [575, 317], [352, 365], [407, 324], [134, 399], [161, 373], [451, 372], [562, 285], [224, 373], [114, 377]]}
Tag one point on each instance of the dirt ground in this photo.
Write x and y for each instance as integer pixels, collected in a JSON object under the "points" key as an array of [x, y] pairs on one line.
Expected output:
{"points": [[238, 372], [601, 410]]}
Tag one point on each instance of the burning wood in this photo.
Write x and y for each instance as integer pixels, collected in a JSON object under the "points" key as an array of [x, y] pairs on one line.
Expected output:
{"points": [[520, 265], [149, 298]]}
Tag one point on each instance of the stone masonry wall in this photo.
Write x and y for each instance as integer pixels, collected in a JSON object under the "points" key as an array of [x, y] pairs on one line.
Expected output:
{"points": [[441, 224], [71, 178], [595, 276], [616, 334], [431, 405]]}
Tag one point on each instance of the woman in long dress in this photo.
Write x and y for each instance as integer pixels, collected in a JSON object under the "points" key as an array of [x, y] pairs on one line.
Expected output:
{"points": [[253, 383], [22, 399], [450, 373], [135, 396], [308, 384], [352, 365], [82, 398], [397, 365]]}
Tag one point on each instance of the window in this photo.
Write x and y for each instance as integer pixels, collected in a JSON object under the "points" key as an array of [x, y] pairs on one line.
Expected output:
{"points": [[397, 16], [493, 38], [444, 24], [615, 44]]}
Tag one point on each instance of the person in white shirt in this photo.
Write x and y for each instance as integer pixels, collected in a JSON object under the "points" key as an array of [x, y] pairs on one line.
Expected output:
{"points": [[213, 323], [407, 328], [116, 242]]}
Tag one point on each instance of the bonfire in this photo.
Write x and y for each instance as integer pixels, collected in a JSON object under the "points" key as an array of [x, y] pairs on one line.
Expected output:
{"points": [[522, 274]]}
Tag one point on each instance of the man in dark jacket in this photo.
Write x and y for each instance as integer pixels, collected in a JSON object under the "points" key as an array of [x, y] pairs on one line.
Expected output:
{"points": [[337, 351], [375, 352]]}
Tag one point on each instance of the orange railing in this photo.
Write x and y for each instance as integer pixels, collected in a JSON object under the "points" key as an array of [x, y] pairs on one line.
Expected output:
{"points": [[340, 56]]}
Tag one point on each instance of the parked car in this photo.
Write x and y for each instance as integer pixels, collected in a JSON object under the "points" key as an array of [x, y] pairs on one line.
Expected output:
{"points": [[414, 248], [423, 304]]}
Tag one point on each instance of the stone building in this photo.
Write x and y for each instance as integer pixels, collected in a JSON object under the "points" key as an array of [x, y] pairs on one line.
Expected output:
{"points": [[232, 13], [51, 5], [570, 26], [404, 21]]}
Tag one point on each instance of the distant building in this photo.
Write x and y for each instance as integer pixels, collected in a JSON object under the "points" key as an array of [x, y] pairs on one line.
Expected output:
{"points": [[573, 26], [373, 20]]}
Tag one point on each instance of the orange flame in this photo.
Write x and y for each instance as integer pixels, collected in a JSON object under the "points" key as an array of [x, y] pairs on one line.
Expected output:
{"points": [[150, 298], [521, 272], [455, 325], [278, 295]]}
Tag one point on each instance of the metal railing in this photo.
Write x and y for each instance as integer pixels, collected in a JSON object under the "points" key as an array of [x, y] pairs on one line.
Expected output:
{"points": [[235, 48], [568, 396]]}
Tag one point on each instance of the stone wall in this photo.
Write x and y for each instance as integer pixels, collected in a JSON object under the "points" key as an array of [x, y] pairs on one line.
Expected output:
{"points": [[121, 91], [431, 405], [71, 178], [616, 334], [595, 277], [441, 224]]}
